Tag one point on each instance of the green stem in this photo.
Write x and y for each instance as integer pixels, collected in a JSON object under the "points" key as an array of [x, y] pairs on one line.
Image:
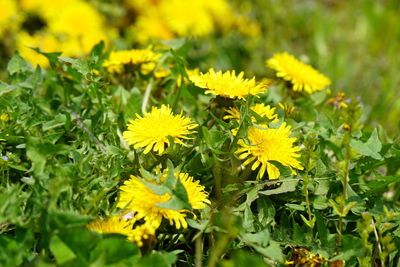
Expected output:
{"points": [[345, 179], [146, 96], [199, 251]]}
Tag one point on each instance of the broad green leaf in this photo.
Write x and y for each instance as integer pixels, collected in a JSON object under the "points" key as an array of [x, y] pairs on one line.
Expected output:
{"points": [[61, 251], [371, 148], [115, 250], [5, 88], [159, 259], [17, 64]]}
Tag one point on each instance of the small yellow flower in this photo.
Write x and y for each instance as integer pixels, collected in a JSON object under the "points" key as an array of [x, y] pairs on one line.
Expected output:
{"points": [[302, 76], [152, 130], [264, 111], [339, 101], [118, 59], [268, 145], [137, 197], [4, 117], [114, 224], [227, 84], [141, 233]]}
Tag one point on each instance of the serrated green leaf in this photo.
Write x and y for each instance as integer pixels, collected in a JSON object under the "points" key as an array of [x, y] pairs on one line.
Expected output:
{"points": [[17, 65], [371, 148]]}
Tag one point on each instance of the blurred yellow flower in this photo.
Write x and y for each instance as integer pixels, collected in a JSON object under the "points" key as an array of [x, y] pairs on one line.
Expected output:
{"points": [[266, 145], [264, 111], [44, 41], [139, 198], [227, 84], [114, 224], [8, 16], [71, 26], [187, 18], [302, 76], [118, 59], [152, 130], [4, 117]]}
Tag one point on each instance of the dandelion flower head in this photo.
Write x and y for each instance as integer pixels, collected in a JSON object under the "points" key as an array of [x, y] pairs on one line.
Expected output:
{"points": [[139, 198], [141, 233], [152, 130], [118, 59], [114, 224], [266, 145], [302, 76], [227, 84]]}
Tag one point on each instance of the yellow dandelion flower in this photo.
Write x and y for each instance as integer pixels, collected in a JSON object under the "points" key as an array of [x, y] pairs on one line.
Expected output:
{"points": [[137, 197], [265, 111], [152, 130], [302, 76], [268, 145], [227, 84], [114, 224], [118, 59], [141, 233], [187, 18]]}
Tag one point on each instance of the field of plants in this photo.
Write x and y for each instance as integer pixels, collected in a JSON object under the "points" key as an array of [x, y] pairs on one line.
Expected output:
{"points": [[198, 133]]}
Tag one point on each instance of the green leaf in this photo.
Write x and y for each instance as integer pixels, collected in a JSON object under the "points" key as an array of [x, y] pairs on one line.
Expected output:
{"points": [[59, 120], [260, 239], [179, 199], [380, 185], [244, 258], [6, 88], [80, 65], [287, 186], [17, 65], [370, 148], [61, 251], [159, 259], [115, 250]]}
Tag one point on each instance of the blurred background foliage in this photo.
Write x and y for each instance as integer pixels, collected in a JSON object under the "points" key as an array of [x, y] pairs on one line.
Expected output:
{"points": [[355, 43]]}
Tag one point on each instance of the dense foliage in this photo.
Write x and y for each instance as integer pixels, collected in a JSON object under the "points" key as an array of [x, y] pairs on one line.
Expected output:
{"points": [[136, 158]]}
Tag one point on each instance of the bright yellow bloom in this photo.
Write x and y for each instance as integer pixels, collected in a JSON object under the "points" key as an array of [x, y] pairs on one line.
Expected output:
{"points": [[152, 130], [227, 84], [264, 111], [139, 198], [8, 15], [118, 59], [268, 145], [141, 233], [114, 224], [302, 76]]}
